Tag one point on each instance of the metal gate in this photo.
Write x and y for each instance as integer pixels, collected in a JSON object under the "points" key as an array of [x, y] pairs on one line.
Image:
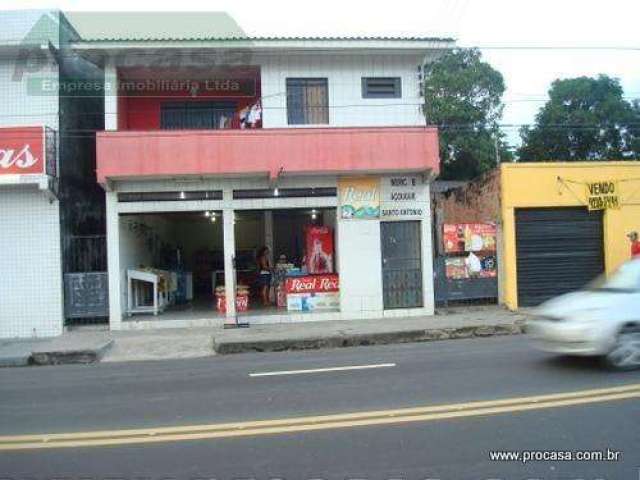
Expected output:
{"points": [[558, 250], [86, 292], [401, 264]]}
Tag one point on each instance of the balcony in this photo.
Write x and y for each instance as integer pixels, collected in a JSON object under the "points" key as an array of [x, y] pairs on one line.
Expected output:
{"points": [[171, 153]]}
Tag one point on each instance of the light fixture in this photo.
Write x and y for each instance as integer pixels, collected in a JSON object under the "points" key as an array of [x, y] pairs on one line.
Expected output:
{"points": [[314, 214], [182, 196], [276, 192], [213, 219], [207, 214]]}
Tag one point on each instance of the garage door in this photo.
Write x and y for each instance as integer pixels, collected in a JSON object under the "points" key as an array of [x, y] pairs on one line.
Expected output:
{"points": [[558, 250]]}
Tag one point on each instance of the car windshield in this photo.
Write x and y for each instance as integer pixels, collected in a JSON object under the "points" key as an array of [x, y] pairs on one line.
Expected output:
{"points": [[626, 278]]}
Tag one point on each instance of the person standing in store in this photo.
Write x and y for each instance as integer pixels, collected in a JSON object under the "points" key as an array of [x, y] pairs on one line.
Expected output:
{"points": [[264, 275]]}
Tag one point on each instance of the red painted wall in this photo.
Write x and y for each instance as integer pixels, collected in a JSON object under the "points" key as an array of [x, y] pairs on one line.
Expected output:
{"points": [[143, 112]]}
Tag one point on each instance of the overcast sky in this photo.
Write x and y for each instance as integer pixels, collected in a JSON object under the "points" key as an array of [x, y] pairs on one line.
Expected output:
{"points": [[528, 73]]}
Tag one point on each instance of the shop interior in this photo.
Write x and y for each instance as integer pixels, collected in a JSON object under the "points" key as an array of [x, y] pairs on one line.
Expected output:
{"points": [[173, 263]]}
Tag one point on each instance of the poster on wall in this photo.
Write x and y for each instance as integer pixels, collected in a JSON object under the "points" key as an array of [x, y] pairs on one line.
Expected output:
{"points": [[359, 198], [404, 197], [469, 237], [471, 266]]}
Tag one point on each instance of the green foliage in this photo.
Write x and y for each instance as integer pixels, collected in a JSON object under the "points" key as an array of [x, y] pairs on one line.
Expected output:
{"points": [[584, 119], [463, 97]]}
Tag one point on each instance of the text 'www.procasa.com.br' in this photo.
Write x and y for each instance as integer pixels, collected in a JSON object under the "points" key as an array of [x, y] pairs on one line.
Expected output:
{"points": [[525, 456]]}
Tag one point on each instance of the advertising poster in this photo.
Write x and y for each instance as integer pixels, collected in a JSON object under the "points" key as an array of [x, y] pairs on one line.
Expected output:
{"points": [[469, 237], [471, 266], [313, 292], [318, 243], [359, 198]]}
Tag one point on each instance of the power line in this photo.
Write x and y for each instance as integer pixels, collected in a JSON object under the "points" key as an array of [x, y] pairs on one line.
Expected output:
{"points": [[80, 133]]}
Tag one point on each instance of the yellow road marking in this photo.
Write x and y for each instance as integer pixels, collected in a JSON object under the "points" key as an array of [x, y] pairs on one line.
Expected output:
{"points": [[303, 424]]}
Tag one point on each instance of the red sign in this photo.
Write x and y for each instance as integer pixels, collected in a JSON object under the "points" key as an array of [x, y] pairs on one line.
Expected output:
{"points": [[21, 150], [313, 284], [469, 237]]}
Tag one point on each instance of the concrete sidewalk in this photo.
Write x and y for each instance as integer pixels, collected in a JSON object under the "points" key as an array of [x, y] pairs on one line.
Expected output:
{"points": [[81, 347], [449, 324], [89, 345]]}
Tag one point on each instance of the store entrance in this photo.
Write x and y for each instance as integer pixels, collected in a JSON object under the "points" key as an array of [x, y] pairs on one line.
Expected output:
{"points": [[401, 264], [286, 261], [171, 263]]}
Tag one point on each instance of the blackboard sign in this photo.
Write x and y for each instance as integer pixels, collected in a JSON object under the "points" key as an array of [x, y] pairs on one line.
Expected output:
{"points": [[86, 295]]}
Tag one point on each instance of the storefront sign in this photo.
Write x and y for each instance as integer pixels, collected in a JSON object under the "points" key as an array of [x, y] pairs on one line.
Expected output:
{"points": [[312, 284], [312, 292], [602, 195], [404, 197], [22, 151], [359, 197]]}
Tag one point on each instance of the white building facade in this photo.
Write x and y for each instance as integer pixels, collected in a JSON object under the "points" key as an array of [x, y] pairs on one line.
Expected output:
{"points": [[366, 135], [30, 256], [207, 149], [46, 168]]}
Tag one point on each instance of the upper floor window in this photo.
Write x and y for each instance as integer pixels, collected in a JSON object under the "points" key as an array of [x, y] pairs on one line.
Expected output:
{"points": [[307, 101], [196, 115], [381, 87]]}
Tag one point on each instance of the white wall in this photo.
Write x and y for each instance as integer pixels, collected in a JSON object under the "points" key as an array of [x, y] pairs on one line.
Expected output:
{"points": [[359, 265], [134, 250], [22, 107], [30, 265], [344, 72], [31, 302]]}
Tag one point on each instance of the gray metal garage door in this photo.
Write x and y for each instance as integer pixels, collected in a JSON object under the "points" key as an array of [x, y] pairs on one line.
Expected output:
{"points": [[558, 250]]}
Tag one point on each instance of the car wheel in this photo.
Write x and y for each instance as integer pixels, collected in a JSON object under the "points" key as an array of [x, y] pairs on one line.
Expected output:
{"points": [[625, 354]]}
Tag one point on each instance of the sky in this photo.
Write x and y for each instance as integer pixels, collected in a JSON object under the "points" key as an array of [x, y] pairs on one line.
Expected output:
{"points": [[492, 24]]}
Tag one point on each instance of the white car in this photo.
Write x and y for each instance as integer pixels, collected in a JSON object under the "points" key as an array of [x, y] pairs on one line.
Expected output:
{"points": [[601, 320]]}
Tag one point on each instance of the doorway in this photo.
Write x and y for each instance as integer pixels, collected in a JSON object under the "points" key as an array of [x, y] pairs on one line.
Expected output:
{"points": [[401, 264]]}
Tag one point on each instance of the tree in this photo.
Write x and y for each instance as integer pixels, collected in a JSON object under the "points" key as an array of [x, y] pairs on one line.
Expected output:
{"points": [[463, 98], [584, 119]]}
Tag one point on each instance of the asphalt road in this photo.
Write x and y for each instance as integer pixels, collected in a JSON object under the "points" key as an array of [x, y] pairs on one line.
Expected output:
{"points": [[220, 389]]}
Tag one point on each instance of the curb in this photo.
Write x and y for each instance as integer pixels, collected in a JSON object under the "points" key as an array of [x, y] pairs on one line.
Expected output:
{"points": [[71, 356], [225, 347]]}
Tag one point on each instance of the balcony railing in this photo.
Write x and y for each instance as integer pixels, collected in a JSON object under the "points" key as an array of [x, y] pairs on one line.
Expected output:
{"points": [[156, 154]]}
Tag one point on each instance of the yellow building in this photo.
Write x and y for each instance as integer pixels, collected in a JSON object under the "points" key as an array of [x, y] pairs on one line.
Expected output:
{"points": [[563, 224]]}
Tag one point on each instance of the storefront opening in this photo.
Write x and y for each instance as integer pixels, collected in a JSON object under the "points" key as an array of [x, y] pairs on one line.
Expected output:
{"points": [[286, 261], [171, 263]]}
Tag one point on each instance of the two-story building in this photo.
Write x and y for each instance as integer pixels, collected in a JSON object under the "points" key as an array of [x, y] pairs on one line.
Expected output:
{"points": [[210, 146], [217, 144]]}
